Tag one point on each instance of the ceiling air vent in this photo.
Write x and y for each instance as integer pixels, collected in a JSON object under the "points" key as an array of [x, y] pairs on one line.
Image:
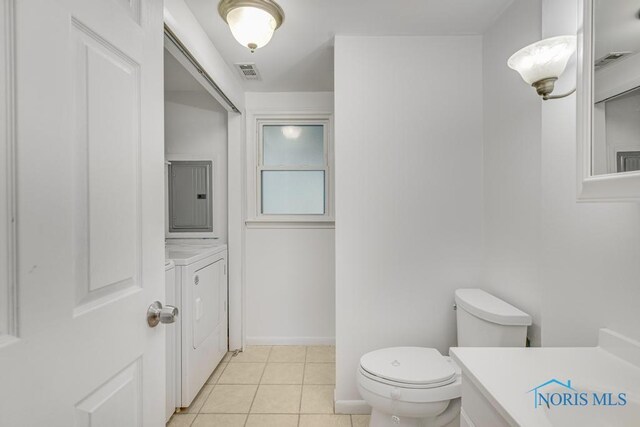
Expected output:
{"points": [[610, 58], [248, 71]]}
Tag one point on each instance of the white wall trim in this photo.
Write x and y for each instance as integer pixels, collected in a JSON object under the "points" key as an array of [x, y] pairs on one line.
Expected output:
{"points": [[236, 206], [289, 224], [352, 407], [8, 283], [290, 341]]}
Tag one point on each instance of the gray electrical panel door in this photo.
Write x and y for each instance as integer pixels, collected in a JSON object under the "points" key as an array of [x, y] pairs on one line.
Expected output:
{"points": [[190, 204]]}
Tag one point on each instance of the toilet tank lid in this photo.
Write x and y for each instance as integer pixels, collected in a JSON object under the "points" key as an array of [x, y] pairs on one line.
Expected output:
{"points": [[487, 307]]}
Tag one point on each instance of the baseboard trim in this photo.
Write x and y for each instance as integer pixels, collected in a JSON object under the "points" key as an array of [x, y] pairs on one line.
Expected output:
{"points": [[352, 407], [290, 340]]}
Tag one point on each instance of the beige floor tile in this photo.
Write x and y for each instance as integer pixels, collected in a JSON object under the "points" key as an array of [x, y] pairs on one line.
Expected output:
{"points": [[317, 399], [360, 420], [215, 376], [319, 373], [272, 420], [288, 354], [277, 399], [219, 420], [230, 399], [325, 421], [283, 373], [242, 373], [199, 400], [257, 353], [321, 354], [181, 420]]}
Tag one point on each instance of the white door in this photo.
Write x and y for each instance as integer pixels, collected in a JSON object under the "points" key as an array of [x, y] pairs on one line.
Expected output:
{"points": [[88, 255]]}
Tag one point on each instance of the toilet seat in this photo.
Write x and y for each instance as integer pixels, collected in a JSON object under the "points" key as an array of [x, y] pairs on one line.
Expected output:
{"points": [[411, 367], [423, 376]]}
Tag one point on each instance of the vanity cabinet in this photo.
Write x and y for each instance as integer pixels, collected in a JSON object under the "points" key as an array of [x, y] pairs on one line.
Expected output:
{"points": [[476, 410]]}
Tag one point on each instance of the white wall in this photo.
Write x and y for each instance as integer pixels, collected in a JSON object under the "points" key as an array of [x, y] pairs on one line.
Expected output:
{"points": [[289, 270], [512, 128], [589, 257], [196, 125], [290, 286], [408, 192]]}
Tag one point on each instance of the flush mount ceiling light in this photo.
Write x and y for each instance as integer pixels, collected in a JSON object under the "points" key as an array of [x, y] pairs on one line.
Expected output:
{"points": [[540, 64], [252, 22]]}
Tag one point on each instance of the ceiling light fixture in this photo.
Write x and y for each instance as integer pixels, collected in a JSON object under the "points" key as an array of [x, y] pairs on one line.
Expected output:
{"points": [[252, 22], [541, 63]]}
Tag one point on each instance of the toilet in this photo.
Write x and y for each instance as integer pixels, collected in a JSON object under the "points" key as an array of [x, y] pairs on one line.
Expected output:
{"points": [[418, 386]]}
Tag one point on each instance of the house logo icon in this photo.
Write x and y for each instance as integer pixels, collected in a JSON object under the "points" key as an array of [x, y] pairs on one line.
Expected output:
{"points": [[557, 393], [540, 397]]}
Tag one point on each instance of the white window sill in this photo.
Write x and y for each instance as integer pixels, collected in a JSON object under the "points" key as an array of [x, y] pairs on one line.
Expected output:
{"points": [[274, 223]]}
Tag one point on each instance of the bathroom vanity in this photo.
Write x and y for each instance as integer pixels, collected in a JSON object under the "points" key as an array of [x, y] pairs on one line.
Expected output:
{"points": [[590, 386]]}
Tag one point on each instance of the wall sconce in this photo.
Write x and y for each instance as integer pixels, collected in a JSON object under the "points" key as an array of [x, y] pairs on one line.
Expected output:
{"points": [[252, 22], [541, 63]]}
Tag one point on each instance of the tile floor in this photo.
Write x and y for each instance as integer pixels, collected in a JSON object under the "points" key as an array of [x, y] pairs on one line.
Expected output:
{"points": [[270, 386]]}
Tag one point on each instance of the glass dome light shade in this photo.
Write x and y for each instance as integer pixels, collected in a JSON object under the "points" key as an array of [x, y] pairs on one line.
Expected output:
{"points": [[251, 26], [546, 59]]}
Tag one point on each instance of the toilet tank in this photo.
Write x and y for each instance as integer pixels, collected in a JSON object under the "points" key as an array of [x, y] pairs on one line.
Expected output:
{"points": [[486, 321]]}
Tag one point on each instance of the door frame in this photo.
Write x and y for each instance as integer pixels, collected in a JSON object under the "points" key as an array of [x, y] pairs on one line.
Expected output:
{"points": [[8, 284]]}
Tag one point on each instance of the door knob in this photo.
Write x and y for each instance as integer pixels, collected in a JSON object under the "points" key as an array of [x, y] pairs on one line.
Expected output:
{"points": [[159, 314]]}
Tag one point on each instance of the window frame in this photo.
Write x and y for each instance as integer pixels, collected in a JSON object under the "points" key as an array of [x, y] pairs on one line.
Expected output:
{"points": [[324, 120]]}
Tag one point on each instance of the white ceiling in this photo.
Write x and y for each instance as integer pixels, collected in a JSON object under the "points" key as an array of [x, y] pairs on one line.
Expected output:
{"points": [[617, 26], [300, 55]]}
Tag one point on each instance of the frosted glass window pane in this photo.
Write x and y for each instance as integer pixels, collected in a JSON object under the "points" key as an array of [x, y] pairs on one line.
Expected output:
{"points": [[293, 192], [293, 145]]}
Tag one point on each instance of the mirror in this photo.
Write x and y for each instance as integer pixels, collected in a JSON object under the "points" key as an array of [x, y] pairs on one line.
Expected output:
{"points": [[609, 97], [616, 60]]}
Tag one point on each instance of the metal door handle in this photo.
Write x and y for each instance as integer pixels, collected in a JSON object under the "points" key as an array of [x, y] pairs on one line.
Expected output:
{"points": [[159, 314]]}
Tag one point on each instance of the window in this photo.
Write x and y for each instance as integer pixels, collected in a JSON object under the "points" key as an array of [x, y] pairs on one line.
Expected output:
{"points": [[293, 173]]}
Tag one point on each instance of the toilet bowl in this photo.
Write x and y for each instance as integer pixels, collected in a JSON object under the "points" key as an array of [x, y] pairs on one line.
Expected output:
{"points": [[418, 386], [410, 386]]}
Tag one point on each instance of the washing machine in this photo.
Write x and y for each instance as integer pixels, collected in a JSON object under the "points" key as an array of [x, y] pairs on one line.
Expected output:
{"points": [[200, 294]]}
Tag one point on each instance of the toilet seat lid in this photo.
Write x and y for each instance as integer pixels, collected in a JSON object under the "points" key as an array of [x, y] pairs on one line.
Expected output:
{"points": [[409, 365]]}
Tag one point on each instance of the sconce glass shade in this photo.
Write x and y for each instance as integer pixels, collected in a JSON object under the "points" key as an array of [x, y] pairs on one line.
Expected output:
{"points": [[252, 22], [546, 59]]}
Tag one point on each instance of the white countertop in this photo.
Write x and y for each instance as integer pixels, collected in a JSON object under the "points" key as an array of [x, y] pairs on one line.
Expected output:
{"points": [[505, 376]]}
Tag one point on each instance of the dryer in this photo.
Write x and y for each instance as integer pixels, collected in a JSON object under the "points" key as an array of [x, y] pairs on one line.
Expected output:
{"points": [[201, 296]]}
